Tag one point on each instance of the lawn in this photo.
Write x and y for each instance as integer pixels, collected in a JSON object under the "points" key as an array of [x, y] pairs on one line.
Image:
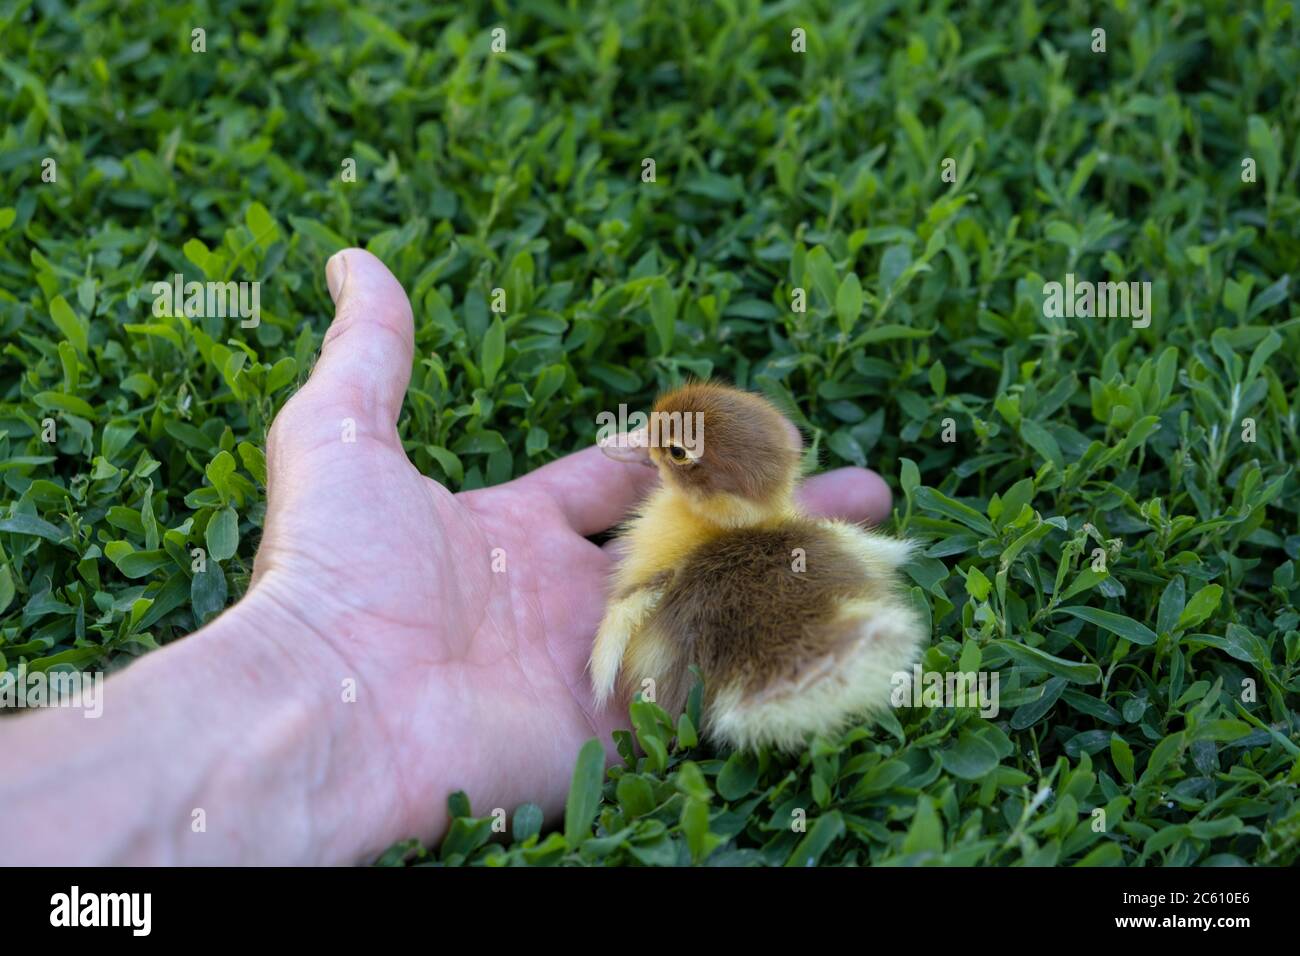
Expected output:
{"points": [[855, 208]]}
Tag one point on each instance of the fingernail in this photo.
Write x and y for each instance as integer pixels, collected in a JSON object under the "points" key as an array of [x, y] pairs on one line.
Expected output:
{"points": [[336, 275]]}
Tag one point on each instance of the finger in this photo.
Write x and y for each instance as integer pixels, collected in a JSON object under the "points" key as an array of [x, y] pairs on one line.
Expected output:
{"points": [[852, 494], [365, 360], [594, 492]]}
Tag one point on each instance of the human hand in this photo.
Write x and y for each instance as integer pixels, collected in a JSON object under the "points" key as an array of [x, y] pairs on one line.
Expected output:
{"points": [[398, 642], [465, 620]]}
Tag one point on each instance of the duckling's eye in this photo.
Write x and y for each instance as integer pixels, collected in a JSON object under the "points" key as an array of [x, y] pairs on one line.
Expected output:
{"points": [[677, 453]]}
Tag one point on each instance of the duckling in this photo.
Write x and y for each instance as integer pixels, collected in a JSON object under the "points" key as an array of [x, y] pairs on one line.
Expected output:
{"points": [[798, 624]]}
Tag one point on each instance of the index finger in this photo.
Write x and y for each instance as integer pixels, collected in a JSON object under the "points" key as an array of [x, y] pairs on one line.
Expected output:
{"points": [[593, 491]]}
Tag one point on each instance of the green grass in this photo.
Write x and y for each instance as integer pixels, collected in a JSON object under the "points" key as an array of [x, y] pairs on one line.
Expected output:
{"points": [[1121, 689]]}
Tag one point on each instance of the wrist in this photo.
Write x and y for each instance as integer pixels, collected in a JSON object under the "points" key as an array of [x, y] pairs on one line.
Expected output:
{"points": [[296, 751], [202, 752]]}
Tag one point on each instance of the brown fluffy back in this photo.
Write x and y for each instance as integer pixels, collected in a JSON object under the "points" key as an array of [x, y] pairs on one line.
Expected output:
{"points": [[739, 610]]}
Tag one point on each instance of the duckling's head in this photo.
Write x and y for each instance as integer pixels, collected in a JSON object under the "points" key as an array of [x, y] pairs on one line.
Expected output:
{"points": [[731, 456]]}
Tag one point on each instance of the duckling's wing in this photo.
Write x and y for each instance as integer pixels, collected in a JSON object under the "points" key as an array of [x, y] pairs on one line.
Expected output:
{"points": [[881, 554], [623, 620]]}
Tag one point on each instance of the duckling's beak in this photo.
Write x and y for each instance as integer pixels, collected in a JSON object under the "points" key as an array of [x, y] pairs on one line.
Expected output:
{"points": [[632, 447]]}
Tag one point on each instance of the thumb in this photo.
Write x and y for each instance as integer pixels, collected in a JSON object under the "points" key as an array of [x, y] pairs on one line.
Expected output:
{"points": [[357, 385], [365, 359]]}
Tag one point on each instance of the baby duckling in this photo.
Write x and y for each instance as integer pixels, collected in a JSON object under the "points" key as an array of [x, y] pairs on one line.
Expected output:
{"points": [[798, 624]]}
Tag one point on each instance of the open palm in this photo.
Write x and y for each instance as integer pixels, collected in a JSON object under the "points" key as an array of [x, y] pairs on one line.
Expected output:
{"points": [[461, 624]]}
